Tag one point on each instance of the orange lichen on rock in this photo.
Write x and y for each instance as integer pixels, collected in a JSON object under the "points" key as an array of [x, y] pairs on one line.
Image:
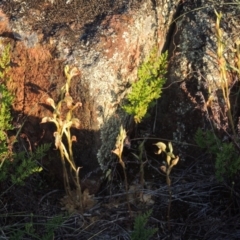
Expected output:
{"points": [[33, 71], [31, 74], [4, 24]]}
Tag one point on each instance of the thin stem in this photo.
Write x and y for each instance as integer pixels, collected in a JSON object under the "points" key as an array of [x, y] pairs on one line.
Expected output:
{"points": [[169, 206], [141, 148], [65, 174], [79, 191], [223, 72], [169, 168], [126, 184]]}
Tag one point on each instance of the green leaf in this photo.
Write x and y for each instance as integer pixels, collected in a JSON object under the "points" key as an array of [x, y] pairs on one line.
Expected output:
{"points": [[136, 156]]}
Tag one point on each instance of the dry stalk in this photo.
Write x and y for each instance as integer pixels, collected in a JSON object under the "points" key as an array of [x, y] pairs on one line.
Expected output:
{"points": [[63, 126], [118, 151], [224, 81], [171, 161]]}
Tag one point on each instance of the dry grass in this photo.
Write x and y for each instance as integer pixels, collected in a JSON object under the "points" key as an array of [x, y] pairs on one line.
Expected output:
{"points": [[202, 208]]}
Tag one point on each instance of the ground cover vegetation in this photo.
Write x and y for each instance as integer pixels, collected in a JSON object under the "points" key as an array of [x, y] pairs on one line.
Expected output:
{"points": [[132, 200], [6, 101]]}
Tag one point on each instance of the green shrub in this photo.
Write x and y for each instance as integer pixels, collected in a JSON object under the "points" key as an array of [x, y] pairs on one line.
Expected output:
{"points": [[148, 87], [26, 164], [36, 230], [22, 165], [140, 232], [227, 162], [5, 121], [4, 63], [6, 99]]}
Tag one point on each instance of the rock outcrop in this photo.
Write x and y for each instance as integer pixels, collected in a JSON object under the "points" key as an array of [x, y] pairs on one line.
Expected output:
{"points": [[107, 40]]}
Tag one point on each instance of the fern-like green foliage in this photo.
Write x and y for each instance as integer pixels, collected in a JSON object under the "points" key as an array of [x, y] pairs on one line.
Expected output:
{"points": [[23, 165], [51, 226], [207, 140], [140, 232], [227, 162], [151, 78], [36, 230], [6, 99], [4, 63]]}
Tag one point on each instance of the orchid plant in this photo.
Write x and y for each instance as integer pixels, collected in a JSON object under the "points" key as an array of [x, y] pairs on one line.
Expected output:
{"points": [[63, 123], [171, 161]]}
